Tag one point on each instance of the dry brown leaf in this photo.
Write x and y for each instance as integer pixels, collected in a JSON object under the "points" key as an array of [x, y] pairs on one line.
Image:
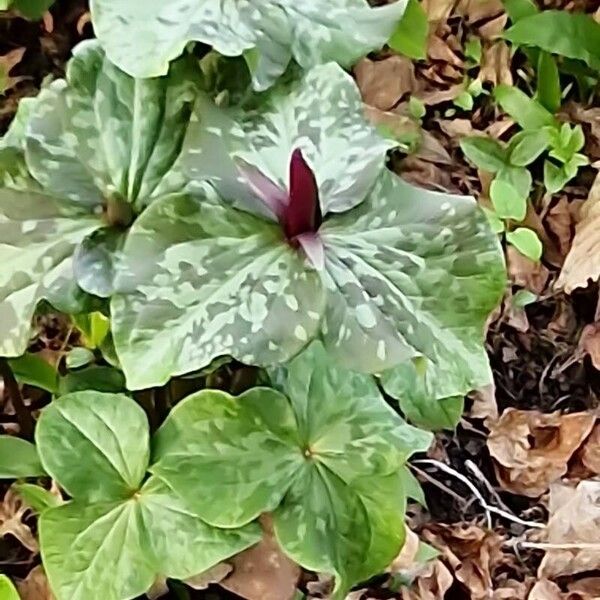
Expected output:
{"points": [[531, 449], [484, 404], [7, 62], [574, 519], [545, 590], [439, 49], [589, 343], [12, 513], [438, 10], [458, 128], [431, 584], [560, 221], [263, 572], [583, 260], [526, 273], [471, 552], [406, 559], [475, 11], [35, 586], [589, 454], [400, 126], [495, 64], [383, 83]]}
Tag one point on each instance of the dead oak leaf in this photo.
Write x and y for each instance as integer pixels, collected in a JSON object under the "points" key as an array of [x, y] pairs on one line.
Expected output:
{"points": [[263, 572], [35, 586], [12, 514], [531, 449], [7, 63], [583, 260], [574, 520], [383, 83]]}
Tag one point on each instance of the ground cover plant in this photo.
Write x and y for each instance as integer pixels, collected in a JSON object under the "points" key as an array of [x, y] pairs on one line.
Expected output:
{"points": [[243, 307]]}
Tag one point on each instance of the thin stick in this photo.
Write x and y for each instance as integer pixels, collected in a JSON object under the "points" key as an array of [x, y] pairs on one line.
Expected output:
{"points": [[11, 387], [477, 472], [550, 546], [438, 484], [488, 508]]}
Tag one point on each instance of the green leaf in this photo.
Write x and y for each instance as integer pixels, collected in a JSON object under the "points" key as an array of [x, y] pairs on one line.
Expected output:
{"points": [[33, 370], [96, 138], [464, 100], [79, 357], [416, 108], [473, 50], [507, 201], [523, 298], [519, 9], [116, 534], [410, 36], [141, 37], [121, 547], [526, 242], [433, 414], [95, 377], [528, 113], [548, 83], [18, 458], [35, 496], [412, 487], [484, 152], [496, 223], [109, 430], [33, 9], [518, 177], [526, 146], [572, 34], [325, 459], [7, 589], [218, 268], [94, 328]]}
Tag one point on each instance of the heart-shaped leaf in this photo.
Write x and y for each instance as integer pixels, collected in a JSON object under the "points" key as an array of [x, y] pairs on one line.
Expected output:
{"points": [[326, 458], [141, 37], [383, 278], [86, 155], [117, 534]]}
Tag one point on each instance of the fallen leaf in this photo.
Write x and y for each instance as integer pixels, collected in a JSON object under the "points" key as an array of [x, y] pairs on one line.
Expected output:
{"points": [[495, 64], [583, 260], [589, 343], [587, 585], [560, 220], [7, 62], [475, 11], [263, 572], [406, 559], [484, 403], [383, 83], [471, 553], [545, 590], [531, 449], [574, 519], [438, 10], [400, 126], [35, 586], [525, 272], [439, 49], [431, 584], [589, 454], [458, 128], [12, 514]]}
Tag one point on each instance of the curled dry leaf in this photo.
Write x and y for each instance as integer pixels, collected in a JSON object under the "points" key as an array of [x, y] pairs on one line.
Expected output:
{"points": [[495, 64], [12, 514], [35, 586], [484, 404], [525, 272], [431, 584], [583, 260], [531, 449], [383, 83], [589, 343], [574, 519], [472, 554], [589, 453], [7, 62], [263, 572]]}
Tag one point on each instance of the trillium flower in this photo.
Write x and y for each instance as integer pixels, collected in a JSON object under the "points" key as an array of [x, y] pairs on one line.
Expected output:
{"points": [[142, 36], [80, 161], [303, 233]]}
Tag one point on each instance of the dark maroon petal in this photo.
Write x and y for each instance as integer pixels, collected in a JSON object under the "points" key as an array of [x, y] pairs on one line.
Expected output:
{"points": [[303, 212], [274, 197]]}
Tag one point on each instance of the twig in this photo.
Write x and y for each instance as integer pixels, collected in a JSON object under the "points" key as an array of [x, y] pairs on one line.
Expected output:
{"points": [[437, 483], [477, 472], [550, 546], [11, 387], [488, 508]]}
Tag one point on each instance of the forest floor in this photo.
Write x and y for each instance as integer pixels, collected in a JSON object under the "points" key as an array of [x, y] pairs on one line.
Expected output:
{"points": [[513, 495]]}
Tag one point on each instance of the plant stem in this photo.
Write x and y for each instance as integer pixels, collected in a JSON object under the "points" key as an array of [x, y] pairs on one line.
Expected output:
{"points": [[11, 388]]}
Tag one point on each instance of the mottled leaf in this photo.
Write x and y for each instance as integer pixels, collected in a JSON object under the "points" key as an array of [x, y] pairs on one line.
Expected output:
{"points": [[121, 547], [94, 140], [18, 458], [109, 430], [381, 283], [141, 37], [326, 459]]}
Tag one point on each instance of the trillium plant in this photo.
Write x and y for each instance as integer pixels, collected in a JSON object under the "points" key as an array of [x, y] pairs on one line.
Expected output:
{"points": [[261, 247]]}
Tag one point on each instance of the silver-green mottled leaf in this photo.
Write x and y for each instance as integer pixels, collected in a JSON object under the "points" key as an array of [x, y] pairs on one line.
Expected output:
{"points": [[116, 550], [327, 460], [199, 280], [94, 444], [321, 113], [141, 37], [411, 273]]}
